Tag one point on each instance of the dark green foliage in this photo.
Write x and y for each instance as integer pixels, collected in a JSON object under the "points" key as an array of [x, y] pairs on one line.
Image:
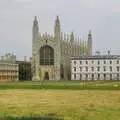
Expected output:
{"points": [[30, 118]]}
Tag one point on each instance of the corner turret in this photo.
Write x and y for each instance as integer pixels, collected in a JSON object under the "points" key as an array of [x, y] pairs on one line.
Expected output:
{"points": [[89, 43], [57, 29], [35, 28]]}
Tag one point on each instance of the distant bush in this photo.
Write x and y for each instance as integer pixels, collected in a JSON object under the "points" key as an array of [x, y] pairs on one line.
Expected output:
{"points": [[30, 118]]}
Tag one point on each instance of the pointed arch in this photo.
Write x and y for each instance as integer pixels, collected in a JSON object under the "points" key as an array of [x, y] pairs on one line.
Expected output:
{"points": [[46, 55]]}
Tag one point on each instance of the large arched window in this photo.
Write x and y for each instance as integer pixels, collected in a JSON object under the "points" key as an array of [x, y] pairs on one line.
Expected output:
{"points": [[46, 55]]}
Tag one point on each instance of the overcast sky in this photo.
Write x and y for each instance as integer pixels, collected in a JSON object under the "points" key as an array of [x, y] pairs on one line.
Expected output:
{"points": [[16, 17]]}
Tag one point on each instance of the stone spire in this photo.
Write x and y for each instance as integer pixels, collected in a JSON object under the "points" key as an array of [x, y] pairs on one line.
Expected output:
{"points": [[67, 38], [35, 28], [72, 37], [35, 22], [89, 43], [57, 21], [57, 30]]}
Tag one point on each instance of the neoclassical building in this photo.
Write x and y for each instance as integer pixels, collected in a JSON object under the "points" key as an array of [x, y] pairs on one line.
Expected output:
{"points": [[99, 67], [51, 53], [9, 69]]}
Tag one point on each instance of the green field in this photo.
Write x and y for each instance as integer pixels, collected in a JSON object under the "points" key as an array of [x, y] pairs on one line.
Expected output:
{"points": [[98, 100]]}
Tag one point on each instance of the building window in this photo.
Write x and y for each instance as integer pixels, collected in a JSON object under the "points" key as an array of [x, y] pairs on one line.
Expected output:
{"points": [[104, 68], [110, 68], [110, 62], [92, 76], [80, 76], [46, 55], [98, 69], [118, 69], [110, 76], [74, 69], [86, 76], [98, 76], [86, 62], [92, 69], [98, 62], [80, 62], [104, 62], [80, 69], [118, 76], [75, 62], [86, 69], [92, 62], [104, 76], [75, 76], [117, 61]]}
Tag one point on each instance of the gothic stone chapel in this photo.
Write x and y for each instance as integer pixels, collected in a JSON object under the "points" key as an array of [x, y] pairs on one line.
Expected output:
{"points": [[51, 53]]}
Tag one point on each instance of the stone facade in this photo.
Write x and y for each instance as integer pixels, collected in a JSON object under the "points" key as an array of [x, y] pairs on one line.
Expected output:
{"points": [[9, 68], [106, 67], [51, 53]]}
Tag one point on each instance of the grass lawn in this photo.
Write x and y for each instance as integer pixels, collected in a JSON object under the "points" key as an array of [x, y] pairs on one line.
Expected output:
{"points": [[60, 100]]}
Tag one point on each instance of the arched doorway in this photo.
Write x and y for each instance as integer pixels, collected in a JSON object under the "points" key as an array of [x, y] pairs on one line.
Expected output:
{"points": [[46, 76], [62, 71]]}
